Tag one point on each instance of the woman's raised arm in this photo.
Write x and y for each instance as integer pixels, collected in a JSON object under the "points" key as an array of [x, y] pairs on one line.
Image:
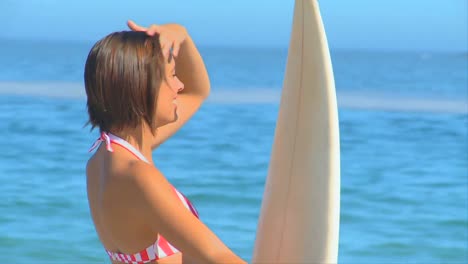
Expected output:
{"points": [[190, 69]]}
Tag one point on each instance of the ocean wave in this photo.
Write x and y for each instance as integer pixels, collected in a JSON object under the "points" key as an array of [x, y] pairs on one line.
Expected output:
{"points": [[365, 100]]}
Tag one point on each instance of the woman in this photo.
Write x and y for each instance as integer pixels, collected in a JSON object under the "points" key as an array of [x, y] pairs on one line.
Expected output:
{"points": [[138, 101]]}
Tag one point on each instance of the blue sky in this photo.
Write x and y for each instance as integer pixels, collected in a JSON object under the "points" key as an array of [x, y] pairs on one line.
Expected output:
{"points": [[359, 24]]}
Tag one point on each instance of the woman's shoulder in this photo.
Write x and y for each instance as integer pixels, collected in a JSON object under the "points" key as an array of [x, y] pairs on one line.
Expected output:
{"points": [[123, 179], [120, 171], [128, 187], [141, 179], [140, 172]]}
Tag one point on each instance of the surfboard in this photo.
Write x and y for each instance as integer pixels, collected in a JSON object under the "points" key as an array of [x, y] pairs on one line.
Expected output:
{"points": [[299, 217]]}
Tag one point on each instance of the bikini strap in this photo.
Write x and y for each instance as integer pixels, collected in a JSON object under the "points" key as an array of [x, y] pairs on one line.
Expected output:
{"points": [[103, 138]]}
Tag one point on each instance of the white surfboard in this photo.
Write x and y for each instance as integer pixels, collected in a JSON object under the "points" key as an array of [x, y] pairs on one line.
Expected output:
{"points": [[299, 219]]}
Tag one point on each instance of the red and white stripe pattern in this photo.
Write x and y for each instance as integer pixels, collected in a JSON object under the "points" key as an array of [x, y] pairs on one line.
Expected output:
{"points": [[161, 248]]}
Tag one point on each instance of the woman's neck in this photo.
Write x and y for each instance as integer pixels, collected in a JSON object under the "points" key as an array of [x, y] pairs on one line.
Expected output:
{"points": [[141, 138]]}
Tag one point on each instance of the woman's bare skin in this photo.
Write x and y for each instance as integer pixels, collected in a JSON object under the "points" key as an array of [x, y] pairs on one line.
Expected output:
{"points": [[131, 201]]}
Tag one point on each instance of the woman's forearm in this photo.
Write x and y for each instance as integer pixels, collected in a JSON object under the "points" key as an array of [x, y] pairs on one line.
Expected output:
{"points": [[191, 69]]}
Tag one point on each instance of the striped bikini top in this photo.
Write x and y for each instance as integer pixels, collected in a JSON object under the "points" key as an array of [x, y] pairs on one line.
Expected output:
{"points": [[161, 248]]}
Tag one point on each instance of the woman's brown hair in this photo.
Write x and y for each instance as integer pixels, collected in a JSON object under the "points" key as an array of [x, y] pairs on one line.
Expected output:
{"points": [[123, 73]]}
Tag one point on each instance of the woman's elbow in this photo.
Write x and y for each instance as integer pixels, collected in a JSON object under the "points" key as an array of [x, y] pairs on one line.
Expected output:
{"points": [[207, 91], [227, 257]]}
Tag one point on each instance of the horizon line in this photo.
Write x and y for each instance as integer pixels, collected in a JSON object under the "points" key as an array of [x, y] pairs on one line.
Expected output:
{"points": [[255, 46]]}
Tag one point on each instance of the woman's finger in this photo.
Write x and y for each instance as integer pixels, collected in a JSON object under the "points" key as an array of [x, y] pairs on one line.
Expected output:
{"points": [[163, 47], [175, 49], [167, 49], [133, 26], [153, 29], [162, 42]]}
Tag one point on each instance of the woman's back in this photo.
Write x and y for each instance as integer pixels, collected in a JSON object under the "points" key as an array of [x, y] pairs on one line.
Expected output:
{"points": [[110, 208], [115, 211]]}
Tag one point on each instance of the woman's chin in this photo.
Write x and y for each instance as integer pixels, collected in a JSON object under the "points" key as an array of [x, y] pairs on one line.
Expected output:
{"points": [[176, 115], [172, 120], [169, 120]]}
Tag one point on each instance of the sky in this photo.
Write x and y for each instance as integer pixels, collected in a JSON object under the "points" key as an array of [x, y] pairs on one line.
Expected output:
{"points": [[425, 25]]}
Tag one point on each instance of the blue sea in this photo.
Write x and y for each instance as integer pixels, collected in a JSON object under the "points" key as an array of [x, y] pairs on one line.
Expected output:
{"points": [[404, 152]]}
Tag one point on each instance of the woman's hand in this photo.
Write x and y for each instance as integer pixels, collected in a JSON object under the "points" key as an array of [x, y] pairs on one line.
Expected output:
{"points": [[171, 36]]}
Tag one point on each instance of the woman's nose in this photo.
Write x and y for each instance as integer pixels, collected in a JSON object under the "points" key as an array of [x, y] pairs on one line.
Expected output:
{"points": [[181, 87]]}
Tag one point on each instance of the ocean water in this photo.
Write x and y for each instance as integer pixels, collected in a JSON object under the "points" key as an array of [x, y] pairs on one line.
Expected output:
{"points": [[404, 152]]}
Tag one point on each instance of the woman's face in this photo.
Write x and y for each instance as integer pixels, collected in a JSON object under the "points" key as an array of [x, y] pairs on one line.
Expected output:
{"points": [[166, 110]]}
